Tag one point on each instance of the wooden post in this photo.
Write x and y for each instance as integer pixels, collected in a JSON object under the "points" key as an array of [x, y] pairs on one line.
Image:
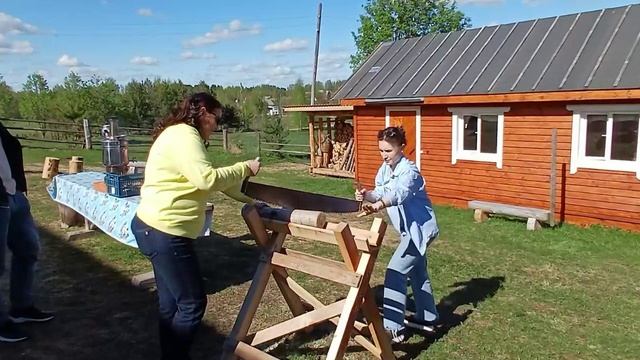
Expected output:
{"points": [[312, 143], [87, 134], [553, 177], [225, 139], [50, 167], [259, 145], [75, 166]]}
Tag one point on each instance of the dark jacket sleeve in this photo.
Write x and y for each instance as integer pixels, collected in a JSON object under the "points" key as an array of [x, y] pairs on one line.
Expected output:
{"points": [[4, 196], [13, 150]]}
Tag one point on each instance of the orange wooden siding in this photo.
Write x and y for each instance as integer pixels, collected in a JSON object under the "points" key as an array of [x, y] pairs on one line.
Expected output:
{"points": [[587, 197]]}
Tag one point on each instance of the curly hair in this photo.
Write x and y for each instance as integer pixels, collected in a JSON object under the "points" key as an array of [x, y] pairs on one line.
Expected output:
{"points": [[393, 135], [187, 112]]}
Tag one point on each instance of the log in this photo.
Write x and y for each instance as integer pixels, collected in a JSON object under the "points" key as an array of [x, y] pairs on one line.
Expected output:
{"points": [[75, 166], [69, 217], [302, 217], [50, 167]]}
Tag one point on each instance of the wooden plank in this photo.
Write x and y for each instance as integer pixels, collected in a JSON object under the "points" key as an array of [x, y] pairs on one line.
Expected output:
{"points": [[619, 95], [297, 323], [79, 234], [292, 299], [505, 209], [376, 328], [322, 235], [252, 300], [347, 246], [248, 352], [553, 177], [350, 310], [144, 281], [316, 266]]}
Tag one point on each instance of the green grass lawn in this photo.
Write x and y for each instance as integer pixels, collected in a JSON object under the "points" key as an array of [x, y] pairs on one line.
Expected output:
{"points": [[504, 292]]}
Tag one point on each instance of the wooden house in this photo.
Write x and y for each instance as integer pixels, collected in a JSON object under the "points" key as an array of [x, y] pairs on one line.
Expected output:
{"points": [[480, 107]]}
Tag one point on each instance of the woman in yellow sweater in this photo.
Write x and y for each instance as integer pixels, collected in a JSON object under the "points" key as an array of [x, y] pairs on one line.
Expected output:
{"points": [[178, 182]]}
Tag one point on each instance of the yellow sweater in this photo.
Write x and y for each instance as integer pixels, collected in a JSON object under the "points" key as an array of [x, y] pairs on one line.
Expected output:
{"points": [[178, 180]]}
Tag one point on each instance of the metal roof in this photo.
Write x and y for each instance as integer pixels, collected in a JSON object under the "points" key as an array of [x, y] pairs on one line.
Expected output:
{"points": [[590, 50]]}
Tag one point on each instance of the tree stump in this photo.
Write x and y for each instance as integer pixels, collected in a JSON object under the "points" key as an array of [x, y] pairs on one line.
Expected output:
{"points": [[50, 167]]}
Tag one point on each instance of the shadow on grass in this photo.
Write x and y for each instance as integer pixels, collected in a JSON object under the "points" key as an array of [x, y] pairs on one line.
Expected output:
{"points": [[471, 292], [100, 315]]}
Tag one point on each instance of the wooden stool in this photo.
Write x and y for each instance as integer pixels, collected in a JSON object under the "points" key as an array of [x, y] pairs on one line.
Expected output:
{"points": [[359, 250]]}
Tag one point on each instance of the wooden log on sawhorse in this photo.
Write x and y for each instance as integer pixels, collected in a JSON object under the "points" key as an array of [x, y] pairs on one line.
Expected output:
{"points": [[359, 250]]}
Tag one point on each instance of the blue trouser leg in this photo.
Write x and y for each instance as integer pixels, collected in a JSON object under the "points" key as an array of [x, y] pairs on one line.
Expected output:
{"points": [[5, 215], [407, 262], [181, 296], [24, 242]]}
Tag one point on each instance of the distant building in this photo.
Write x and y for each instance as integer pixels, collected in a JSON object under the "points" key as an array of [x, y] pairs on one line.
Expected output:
{"points": [[273, 109]]}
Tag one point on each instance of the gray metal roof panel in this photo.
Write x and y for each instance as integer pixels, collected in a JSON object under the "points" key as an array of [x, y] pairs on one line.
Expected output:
{"points": [[522, 57], [384, 84], [377, 65], [487, 77], [390, 66], [430, 64], [595, 47], [613, 60], [441, 69], [483, 59], [567, 53], [591, 50], [631, 76], [544, 54], [419, 63], [346, 90]]}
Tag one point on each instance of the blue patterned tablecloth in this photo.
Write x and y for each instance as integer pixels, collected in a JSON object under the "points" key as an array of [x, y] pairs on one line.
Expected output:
{"points": [[110, 214]]}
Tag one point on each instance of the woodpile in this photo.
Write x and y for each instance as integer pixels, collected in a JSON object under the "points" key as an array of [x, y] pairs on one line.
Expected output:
{"points": [[343, 147]]}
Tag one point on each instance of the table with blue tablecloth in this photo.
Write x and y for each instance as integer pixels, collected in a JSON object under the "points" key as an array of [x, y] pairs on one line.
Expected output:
{"points": [[110, 214]]}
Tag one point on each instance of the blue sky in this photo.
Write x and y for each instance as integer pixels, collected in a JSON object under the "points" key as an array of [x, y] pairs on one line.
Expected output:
{"points": [[221, 42]]}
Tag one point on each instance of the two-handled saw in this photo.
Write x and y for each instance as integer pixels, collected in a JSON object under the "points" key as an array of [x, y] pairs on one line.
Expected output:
{"points": [[301, 200]]}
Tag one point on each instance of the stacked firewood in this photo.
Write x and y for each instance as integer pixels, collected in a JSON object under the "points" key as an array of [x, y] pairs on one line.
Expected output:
{"points": [[343, 147]]}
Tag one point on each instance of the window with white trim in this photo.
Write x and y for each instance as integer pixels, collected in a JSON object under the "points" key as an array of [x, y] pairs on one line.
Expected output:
{"points": [[477, 134], [605, 137]]}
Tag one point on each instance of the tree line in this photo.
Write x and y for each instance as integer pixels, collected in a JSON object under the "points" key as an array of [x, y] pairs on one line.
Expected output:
{"points": [[141, 103]]}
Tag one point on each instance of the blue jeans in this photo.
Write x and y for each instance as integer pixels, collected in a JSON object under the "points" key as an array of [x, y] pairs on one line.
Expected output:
{"points": [[407, 262], [181, 296], [18, 233]]}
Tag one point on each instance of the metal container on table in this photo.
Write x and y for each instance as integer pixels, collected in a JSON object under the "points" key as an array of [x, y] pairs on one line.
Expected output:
{"points": [[115, 148]]}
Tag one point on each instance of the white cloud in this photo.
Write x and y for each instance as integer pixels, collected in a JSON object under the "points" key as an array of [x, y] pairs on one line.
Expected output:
{"points": [[480, 2], [333, 60], [234, 29], [145, 12], [69, 61], [14, 47], [286, 45], [144, 60], [532, 2], [13, 25], [241, 68], [280, 70], [190, 55]]}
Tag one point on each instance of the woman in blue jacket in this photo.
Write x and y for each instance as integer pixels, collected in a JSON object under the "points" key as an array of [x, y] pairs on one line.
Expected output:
{"points": [[400, 188]]}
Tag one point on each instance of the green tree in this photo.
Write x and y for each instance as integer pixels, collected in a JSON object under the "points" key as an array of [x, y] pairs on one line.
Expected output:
{"points": [[298, 96], [8, 100], [137, 104], [386, 20], [69, 99], [275, 132]]}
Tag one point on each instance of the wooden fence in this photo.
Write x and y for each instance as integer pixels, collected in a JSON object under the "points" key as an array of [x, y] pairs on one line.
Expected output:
{"points": [[40, 133]]}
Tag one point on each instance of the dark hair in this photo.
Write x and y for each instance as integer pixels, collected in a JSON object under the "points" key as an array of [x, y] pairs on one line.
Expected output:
{"points": [[393, 135], [187, 112]]}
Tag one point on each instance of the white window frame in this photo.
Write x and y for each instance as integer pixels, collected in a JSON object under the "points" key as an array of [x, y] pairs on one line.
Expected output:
{"points": [[579, 137], [457, 135], [418, 111]]}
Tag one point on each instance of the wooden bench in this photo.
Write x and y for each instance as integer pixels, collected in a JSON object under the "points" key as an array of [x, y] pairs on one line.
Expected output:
{"points": [[534, 216]]}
